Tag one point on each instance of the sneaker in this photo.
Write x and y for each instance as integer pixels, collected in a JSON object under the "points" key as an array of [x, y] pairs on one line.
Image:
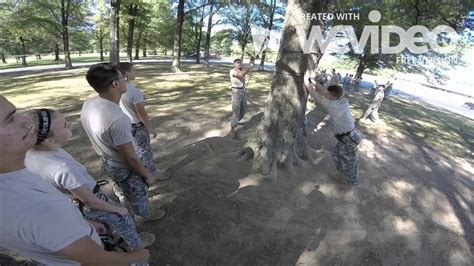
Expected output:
{"points": [[154, 215], [162, 175], [147, 239]]}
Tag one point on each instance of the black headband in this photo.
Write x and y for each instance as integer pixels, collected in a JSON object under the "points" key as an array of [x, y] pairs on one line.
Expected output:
{"points": [[44, 117]]}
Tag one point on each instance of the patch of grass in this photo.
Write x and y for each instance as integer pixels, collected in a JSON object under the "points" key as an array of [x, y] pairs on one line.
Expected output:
{"points": [[202, 95], [75, 58]]}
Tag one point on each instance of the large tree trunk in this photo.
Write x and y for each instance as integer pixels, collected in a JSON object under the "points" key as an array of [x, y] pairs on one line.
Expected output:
{"points": [[280, 136], [132, 12], [177, 38], [270, 26], [65, 9], [3, 57], [56, 52], [114, 32], [23, 52], [207, 45], [199, 38]]}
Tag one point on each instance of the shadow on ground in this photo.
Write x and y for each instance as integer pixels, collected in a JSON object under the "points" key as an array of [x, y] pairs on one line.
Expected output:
{"points": [[413, 205]]}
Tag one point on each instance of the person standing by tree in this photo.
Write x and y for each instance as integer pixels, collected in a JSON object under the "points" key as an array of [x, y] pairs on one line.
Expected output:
{"points": [[375, 86], [372, 111], [110, 133], [335, 79], [132, 104], [345, 153], [239, 102]]}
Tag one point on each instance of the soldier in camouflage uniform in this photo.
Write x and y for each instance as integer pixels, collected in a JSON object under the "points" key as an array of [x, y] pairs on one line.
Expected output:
{"points": [[132, 104], [239, 103], [372, 111], [345, 153], [110, 133]]}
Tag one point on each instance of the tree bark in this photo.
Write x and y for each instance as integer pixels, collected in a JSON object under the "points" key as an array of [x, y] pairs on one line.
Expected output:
{"points": [[280, 136], [360, 67], [3, 57], [243, 52], [114, 32], [101, 45], [23, 52], [199, 38], [270, 26], [137, 46], [144, 52], [207, 45], [56, 52], [132, 12], [65, 10], [177, 38]]}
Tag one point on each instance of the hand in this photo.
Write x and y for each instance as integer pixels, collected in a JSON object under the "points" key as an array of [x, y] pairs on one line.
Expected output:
{"points": [[153, 134], [142, 255], [122, 211], [150, 180], [99, 227]]}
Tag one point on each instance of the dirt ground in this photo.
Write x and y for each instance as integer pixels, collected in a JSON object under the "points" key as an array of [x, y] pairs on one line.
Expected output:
{"points": [[413, 206]]}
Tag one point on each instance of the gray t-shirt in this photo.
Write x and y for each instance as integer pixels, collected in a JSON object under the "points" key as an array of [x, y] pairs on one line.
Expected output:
{"points": [[107, 127], [128, 101], [60, 169], [340, 112], [37, 221]]}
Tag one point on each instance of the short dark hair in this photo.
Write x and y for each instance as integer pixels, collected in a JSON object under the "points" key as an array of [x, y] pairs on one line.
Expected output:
{"points": [[101, 75], [237, 60], [335, 91], [124, 67]]}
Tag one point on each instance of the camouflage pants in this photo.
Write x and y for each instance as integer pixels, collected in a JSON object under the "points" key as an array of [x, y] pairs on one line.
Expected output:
{"points": [[239, 104], [141, 139], [345, 156], [129, 186], [120, 225]]}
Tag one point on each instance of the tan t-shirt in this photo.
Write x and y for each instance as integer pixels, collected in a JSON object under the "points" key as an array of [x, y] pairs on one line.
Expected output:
{"points": [[107, 127]]}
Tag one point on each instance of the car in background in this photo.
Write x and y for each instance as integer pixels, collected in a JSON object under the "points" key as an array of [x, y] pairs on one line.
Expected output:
{"points": [[214, 56], [211, 56]]}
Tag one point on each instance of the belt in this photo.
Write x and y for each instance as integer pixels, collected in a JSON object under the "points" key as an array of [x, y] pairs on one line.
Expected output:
{"points": [[96, 192], [238, 88], [137, 125], [341, 135]]}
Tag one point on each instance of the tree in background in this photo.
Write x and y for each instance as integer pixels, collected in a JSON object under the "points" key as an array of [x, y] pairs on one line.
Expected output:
{"points": [[176, 65], [267, 15], [100, 23], [60, 17], [213, 9], [241, 18], [114, 31]]}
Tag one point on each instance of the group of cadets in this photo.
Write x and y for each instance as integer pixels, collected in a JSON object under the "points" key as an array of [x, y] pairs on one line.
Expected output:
{"points": [[39, 179]]}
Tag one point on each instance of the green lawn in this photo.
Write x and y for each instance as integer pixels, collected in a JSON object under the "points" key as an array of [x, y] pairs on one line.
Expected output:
{"points": [[49, 60]]}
